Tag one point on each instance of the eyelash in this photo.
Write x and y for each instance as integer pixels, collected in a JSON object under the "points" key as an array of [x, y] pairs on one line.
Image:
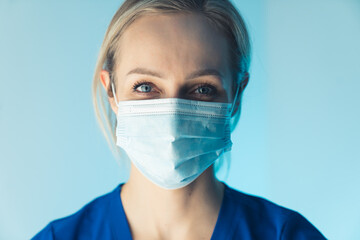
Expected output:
{"points": [[204, 84], [139, 83], [208, 85]]}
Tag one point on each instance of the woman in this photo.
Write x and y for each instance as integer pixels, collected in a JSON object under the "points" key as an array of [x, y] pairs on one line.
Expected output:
{"points": [[174, 73]]}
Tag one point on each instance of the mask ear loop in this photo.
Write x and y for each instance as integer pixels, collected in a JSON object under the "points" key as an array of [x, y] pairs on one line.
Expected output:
{"points": [[113, 91], [235, 99]]}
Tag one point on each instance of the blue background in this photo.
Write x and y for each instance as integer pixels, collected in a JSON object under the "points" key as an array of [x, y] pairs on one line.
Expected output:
{"points": [[297, 142]]}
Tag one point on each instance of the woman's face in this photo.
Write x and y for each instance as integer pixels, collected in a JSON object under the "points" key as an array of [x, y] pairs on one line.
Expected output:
{"points": [[172, 56]]}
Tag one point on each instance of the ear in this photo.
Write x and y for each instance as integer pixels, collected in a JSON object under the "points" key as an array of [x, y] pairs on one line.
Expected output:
{"points": [[106, 82], [243, 83]]}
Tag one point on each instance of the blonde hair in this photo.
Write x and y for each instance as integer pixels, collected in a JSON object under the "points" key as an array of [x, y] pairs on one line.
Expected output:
{"points": [[221, 13]]}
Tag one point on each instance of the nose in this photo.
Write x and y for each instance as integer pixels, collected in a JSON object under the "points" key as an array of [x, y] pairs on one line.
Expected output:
{"points": [[174, 90]]}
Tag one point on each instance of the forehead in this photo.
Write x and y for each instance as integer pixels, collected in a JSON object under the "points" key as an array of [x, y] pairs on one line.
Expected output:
{"points": [[174, 44]]}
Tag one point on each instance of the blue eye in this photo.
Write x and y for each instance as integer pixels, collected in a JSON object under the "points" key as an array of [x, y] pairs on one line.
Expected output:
{"points": [[205, 90], [142, 87]]}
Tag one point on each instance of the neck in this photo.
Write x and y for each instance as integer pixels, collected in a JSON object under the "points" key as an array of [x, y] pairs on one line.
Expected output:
{"points": [[165, 213]]}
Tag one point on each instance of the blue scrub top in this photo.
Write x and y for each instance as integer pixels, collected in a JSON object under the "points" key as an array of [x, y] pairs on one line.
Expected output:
{"points": [[241, 216]]}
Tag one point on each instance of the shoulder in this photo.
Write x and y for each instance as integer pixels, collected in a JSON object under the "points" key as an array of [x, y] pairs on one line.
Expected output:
{"points": [[263, 218], [90, 219]]}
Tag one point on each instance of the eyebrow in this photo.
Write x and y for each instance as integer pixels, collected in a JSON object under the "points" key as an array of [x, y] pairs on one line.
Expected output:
{"points": [[198, 73]]}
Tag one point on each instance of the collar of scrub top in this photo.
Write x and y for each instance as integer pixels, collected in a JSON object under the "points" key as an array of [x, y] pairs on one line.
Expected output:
{"points": [[232, 108]]}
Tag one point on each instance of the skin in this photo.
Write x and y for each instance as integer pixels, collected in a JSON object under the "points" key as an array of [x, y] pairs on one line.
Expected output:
{"points": [[174, 46]]}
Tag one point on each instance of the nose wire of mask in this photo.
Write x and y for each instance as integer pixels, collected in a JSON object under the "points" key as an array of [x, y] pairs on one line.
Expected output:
{"points": [[172, 141]]}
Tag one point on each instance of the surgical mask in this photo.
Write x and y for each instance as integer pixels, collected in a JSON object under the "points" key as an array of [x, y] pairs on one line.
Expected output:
{"points": [[171, 141]]}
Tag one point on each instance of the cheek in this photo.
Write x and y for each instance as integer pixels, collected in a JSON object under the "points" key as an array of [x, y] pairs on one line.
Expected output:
{"points": [[228, 89], [123, 91]]}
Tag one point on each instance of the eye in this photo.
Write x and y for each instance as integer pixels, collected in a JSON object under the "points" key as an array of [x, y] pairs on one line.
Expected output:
{"points": [[205, 89], [142, 87]]}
